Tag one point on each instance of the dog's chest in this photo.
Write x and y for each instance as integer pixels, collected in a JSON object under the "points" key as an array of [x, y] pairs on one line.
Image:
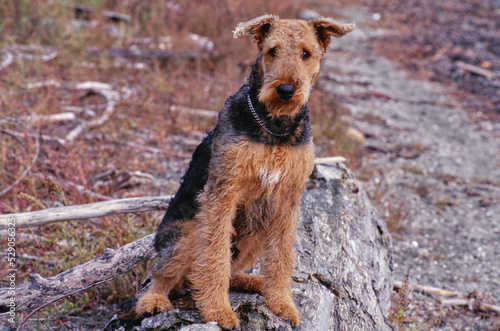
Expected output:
{"points": [[272, 166], [269, 177]]}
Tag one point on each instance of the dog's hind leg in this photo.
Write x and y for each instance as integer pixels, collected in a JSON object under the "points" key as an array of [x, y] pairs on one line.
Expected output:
{"points": [[170, 272]]}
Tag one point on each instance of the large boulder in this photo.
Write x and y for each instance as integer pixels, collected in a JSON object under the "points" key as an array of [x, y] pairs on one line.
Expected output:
{"points": [[343, 268]]}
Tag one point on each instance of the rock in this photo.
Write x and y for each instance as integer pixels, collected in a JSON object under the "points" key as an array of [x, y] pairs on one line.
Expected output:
{"points": [[343, 268]]}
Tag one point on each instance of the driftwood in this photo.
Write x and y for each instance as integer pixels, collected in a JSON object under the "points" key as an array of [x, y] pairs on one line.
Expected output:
{"points": [[424, 289], [113, 262], [79, 212], [104, 90], [476, 70], [30, 52], [473, 301], [473, 304]]}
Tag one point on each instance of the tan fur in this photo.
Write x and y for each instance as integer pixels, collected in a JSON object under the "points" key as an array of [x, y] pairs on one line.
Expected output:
{"points": [[251, 199]]}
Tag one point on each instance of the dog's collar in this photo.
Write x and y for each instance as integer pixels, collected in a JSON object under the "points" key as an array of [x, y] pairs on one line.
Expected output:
{"points": [[261, 123]]}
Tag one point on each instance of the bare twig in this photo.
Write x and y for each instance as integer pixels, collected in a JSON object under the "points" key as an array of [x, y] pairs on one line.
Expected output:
{"points": [[428, 290], [475, 69], [79, 212], [19, 328], [15, 136]]}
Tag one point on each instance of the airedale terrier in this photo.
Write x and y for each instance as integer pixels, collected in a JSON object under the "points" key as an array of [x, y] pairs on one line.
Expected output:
{"points": [[239, 199]]}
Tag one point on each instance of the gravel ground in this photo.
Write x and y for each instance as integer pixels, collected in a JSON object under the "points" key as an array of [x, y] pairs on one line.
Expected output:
{"points": [[433, 172]]}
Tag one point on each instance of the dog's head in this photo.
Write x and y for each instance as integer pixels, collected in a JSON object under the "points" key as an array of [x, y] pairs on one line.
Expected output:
{"points": [[290, 55]]}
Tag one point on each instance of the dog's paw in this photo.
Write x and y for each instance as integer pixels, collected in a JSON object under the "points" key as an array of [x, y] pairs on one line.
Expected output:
{"points": [[226, 318], [287, 311], [152, 304]]}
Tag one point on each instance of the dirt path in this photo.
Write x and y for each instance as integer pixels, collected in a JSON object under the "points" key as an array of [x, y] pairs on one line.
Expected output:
{"points": [[434, 175]]}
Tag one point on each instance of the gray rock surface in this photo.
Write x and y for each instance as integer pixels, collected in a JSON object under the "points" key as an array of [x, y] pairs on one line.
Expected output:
{"points": [[343, 277]]}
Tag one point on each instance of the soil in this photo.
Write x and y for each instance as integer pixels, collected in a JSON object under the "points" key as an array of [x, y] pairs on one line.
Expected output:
{"points": [[432, 135]]}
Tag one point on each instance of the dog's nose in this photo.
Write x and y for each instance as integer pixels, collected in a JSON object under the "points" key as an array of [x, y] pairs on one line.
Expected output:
{"points": [[286, 91]]}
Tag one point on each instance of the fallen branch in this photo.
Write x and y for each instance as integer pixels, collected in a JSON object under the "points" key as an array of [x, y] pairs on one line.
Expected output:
{"points": [[59, 117], [476, 70], [42, 137], [30, 52], [473, 304], [113, 262], [424, 289], [473, 301], [79, 212], [104, 90]]}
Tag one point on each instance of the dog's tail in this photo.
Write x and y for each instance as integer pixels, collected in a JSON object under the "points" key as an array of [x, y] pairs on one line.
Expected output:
{"points": [[126, 311]]}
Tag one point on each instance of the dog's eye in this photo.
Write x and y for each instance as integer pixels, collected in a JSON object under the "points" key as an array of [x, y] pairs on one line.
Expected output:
{"points": [[305, 55], [272, 52]]}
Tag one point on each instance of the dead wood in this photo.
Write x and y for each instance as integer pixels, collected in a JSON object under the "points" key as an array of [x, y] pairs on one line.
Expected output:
{"points": [[474, 301], [113, 262], [427, 290], [106, 91], [475, 69], [80, 212], [102, 89], [472, 304]]}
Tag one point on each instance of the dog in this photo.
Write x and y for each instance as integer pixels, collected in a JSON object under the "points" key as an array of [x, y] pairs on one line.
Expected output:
{"points": [[239, 199]]}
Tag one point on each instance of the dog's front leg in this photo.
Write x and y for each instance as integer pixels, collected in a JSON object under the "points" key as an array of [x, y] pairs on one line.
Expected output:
{"points": [[211, 270], [278, 261]]}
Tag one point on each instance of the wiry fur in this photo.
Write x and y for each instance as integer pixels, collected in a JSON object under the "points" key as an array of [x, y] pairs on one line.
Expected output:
{"points": [[239, 199]]}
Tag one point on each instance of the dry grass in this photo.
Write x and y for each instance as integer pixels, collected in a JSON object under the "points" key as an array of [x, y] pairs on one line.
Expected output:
{"points": [[143, 134]]}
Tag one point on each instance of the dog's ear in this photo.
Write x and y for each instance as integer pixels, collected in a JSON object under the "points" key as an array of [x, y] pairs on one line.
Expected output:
{"points": [[326, 27], [258, 28]]}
